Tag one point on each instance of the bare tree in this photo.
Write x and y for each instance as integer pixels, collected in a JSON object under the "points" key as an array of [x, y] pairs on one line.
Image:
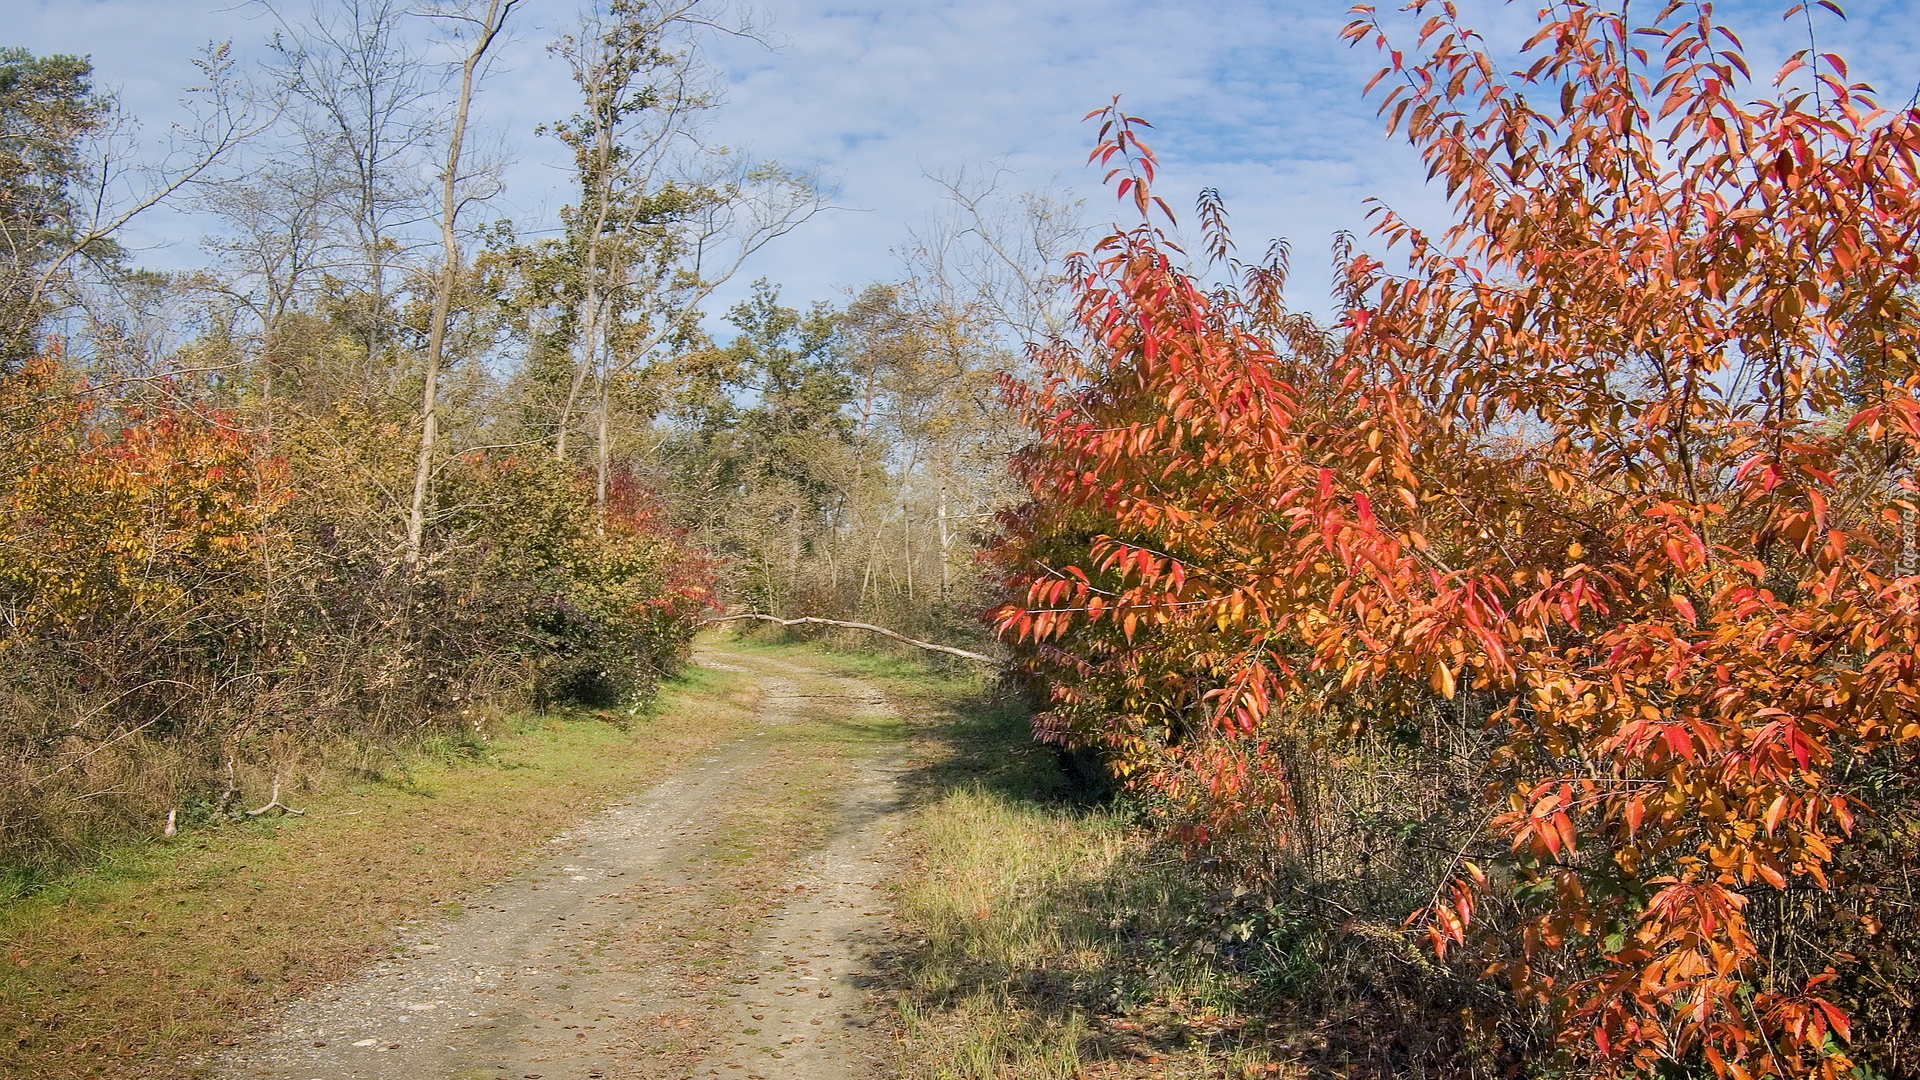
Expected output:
{"points": [[281, 216], [115, 183], [985, 279], [481, 32], [367, 99], [1004, 252]]}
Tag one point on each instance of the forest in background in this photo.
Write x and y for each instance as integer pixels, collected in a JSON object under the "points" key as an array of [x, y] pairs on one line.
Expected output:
{"points": [[1527, 656], [386, 468]]}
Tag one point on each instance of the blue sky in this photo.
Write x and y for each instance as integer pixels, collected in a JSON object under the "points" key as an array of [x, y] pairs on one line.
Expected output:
{"points": [[1255, 97]]}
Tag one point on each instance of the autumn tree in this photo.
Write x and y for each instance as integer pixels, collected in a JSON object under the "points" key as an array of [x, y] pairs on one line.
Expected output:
{"points": [[663, 219], [844, 458], [282, 509], [759, 447], [1619, 465], [925, 356]]}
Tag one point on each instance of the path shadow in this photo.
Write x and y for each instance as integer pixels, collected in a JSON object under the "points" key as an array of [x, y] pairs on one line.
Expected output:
{"points": [[1138, 955]]}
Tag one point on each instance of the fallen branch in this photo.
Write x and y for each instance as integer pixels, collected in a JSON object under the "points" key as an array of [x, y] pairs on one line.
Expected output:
{"points": [[273, 800], [221, 808], [978, 658]]}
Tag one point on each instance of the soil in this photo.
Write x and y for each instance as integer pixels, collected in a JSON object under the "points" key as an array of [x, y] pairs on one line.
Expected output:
{"points": [[724, 923]]}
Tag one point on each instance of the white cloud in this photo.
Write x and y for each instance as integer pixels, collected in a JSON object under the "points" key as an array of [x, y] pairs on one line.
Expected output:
{"points": [[1255, 97]]}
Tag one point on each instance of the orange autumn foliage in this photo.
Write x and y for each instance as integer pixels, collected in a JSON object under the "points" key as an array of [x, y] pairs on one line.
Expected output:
{"points": [[184, 612], [139, 519], [1624, 461]]}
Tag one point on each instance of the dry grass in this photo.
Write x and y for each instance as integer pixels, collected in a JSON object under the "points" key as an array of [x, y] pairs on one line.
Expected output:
{"points": [[1047, 937], [1056, 944], [147, 962]]}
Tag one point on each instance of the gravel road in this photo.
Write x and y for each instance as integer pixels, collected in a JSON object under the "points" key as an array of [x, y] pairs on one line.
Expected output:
{"points": [[603, 958]]}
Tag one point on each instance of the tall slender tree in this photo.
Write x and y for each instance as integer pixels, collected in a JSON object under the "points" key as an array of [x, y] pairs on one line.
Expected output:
{"points": [[662, 220], [482, 28]]}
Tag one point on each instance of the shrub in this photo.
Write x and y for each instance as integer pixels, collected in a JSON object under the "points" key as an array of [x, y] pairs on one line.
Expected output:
{"points": [[1612, 491], [186, 611]]}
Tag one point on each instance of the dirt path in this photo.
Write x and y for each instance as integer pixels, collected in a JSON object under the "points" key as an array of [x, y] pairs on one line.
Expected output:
{"points": [[716, 925]]}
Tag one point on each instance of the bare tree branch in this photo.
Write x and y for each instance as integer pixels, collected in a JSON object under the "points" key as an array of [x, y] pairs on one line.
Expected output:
{"points": [[810, 620]]}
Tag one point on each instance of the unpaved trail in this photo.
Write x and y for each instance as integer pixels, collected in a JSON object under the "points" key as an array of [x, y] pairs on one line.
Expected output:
{"points": [[719, 924]]}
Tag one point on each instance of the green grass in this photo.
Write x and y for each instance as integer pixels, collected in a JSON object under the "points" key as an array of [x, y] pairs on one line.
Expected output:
{"points": [[146, 961]]}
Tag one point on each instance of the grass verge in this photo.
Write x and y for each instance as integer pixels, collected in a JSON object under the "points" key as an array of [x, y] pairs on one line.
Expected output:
{"points": [[154, 957]]}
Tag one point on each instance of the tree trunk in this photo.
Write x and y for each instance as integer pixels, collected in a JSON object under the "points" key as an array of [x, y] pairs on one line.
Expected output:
{"points": [[490, 25], [590, 326], [603, 438], [946, 545], [600, 190], [906, 538], [806, 620]]}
